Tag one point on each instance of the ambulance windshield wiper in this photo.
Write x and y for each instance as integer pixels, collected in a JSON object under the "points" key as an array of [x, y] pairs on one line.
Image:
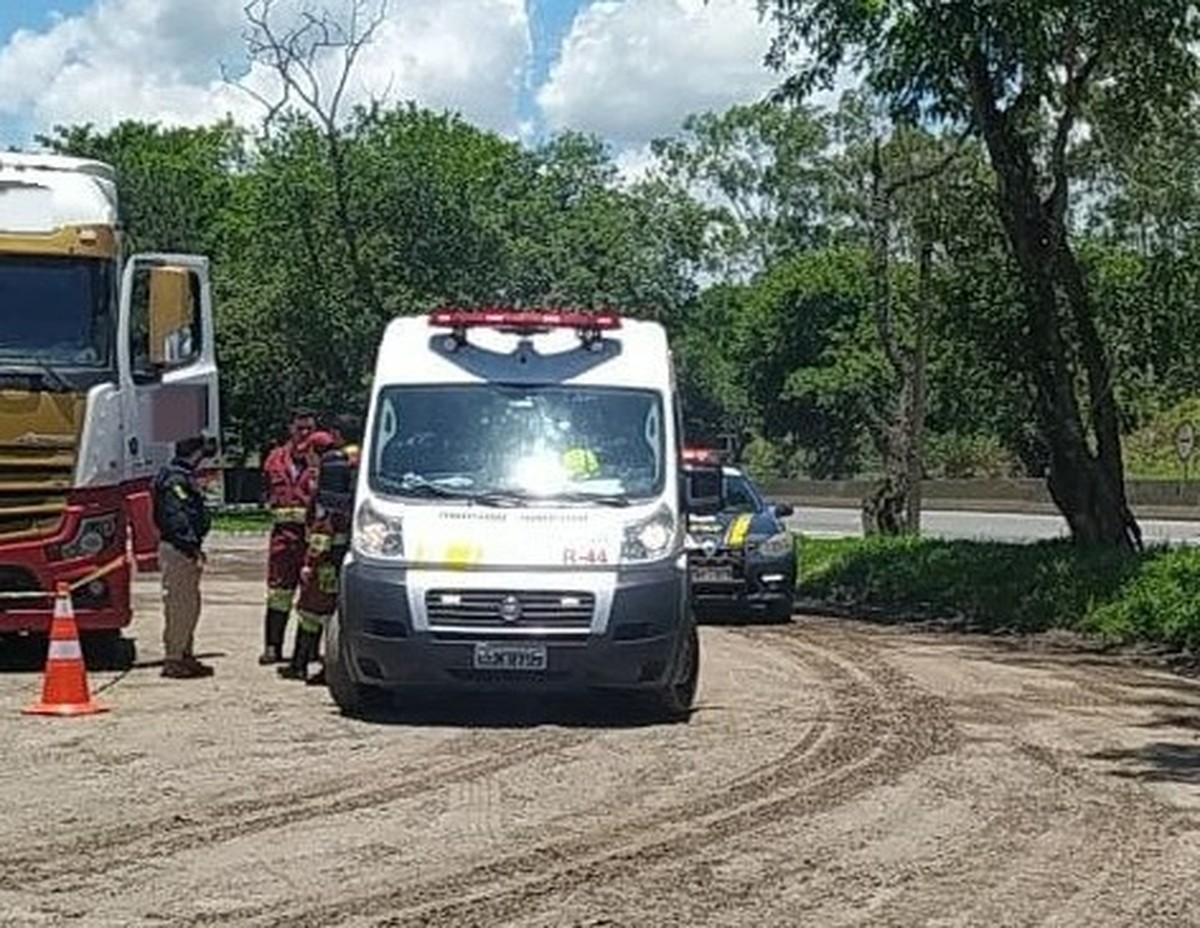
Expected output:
{"points": [[599, 499], [414, 485], [498, 498]]}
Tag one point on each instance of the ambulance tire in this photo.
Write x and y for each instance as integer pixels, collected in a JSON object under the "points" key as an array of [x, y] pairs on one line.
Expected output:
{"points": [[353, 699], [673, 702]]}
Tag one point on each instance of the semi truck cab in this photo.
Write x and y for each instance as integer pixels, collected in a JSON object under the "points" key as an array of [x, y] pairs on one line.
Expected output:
{"points": [[106, 359]]}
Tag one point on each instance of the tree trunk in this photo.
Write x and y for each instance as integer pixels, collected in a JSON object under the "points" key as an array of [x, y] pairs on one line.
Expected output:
{"points": [[915, 413], [1087, 486], [893, 506]]}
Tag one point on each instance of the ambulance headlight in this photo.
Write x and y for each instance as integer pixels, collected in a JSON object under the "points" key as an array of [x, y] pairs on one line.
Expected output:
{"points": [[377, 534], [649, 539]]}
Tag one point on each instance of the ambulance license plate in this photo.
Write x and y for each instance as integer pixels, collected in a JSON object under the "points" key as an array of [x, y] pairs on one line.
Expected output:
{"points": [[493, 656]]}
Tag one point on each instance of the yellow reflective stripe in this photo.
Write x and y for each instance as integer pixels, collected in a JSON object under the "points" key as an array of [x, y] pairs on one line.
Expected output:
{"points": [[327, 578], [310, 621], [319, 542], [288, 514], [739, 528], [341, 540], [280, 600], [463, 554]]}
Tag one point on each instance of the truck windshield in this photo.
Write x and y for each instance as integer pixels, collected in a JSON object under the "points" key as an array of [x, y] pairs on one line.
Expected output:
{"points": [[489, 442], [56, 311]]}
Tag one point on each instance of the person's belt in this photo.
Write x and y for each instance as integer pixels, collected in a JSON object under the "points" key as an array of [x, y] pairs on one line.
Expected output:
{"points": [[288, 515]]}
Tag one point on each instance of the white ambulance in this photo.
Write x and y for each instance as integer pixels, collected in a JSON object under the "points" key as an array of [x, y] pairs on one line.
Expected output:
{"points": [[519, 516]]}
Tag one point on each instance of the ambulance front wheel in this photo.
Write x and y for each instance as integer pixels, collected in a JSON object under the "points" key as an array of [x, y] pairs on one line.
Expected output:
{"points": [[353, 699], [673, 701]]}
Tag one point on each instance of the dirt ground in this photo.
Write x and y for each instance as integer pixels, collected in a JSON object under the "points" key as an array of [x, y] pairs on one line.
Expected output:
{"points": [[834, 773]]}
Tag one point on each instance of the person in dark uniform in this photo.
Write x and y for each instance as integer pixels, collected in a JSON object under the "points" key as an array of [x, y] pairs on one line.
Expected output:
{"points": [[183, 522]]}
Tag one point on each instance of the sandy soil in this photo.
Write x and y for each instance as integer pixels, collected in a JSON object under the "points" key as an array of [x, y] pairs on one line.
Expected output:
{"points": [[834, 773]]}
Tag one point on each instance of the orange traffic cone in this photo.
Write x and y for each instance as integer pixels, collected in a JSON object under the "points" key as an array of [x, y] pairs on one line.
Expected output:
{"points": [[65, 687]]}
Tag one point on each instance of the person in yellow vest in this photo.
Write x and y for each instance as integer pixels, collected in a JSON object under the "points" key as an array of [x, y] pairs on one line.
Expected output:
{"points": [[580, 463]]}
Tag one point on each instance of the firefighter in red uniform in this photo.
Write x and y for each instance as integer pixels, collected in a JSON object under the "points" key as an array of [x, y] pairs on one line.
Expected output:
{"points": [[290, 482], [330, 516]]}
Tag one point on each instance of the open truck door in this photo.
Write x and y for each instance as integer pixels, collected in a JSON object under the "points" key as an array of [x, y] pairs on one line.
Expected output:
{"points": [[168, 375]]}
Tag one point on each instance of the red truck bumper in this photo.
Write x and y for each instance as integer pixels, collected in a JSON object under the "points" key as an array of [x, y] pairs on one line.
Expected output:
{"points": [[35, 565]]}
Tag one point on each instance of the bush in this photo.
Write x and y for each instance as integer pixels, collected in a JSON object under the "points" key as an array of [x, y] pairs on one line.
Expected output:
{"points": [[1150, 451], [1151, 597], [241, 520], [1160, 604], [953, 456]]}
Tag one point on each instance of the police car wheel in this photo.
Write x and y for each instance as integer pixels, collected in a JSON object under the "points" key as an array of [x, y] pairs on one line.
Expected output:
{"points": [[673, 702], [780, 612]]}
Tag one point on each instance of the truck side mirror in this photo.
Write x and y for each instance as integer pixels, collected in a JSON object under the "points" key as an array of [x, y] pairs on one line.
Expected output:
{"points": [[704, 489], [171, 311]]}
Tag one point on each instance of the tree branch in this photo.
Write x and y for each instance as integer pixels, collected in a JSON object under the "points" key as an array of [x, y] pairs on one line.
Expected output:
{"points": [[931, 171], [1074, 91]]}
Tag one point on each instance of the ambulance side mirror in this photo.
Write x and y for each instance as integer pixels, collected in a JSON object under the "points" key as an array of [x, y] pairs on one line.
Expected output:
{"points": [[704, 489]]}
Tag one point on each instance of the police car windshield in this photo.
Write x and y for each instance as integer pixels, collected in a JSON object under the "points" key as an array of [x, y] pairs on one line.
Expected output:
{"points": [[740, 495], [563, 444]]}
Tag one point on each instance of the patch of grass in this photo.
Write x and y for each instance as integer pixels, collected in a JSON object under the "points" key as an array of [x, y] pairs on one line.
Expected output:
{"points": [[242, 520], [1151, 597], [1150, 451]]}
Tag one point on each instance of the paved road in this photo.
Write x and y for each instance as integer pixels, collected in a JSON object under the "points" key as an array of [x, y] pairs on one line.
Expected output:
{"points": [[994, 526]]}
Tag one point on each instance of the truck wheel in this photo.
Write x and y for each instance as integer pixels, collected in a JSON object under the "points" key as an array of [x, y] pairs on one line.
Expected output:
{"points": [[353, 699], [108, 650], [673, 702]]}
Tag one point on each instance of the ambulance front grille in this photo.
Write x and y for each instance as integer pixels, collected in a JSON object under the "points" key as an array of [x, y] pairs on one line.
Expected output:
{"points": [[515, 609]]}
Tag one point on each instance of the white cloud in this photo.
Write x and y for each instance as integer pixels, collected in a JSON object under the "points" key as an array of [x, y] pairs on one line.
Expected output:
{"points": [[160, 60], [631, 70], [635, 163]]}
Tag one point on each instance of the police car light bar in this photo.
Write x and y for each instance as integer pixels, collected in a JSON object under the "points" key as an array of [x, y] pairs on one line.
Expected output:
{"points": [[701, 456], [460, 319]]}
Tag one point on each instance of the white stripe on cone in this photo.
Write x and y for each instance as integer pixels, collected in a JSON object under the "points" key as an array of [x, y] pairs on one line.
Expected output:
{"points": [[65, 651]]}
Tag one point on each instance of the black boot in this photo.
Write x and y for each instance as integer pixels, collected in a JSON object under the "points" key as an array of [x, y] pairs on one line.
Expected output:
{"points": [[304, 653], [318, 678], [274, 625]]}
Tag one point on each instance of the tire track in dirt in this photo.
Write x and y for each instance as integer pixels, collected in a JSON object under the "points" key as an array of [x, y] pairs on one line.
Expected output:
{"points": [[131, 845], [874, 726]]}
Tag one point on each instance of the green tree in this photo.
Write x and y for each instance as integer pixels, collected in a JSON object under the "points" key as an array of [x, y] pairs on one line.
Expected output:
{"points": [[762, 170], [1019, 74]]}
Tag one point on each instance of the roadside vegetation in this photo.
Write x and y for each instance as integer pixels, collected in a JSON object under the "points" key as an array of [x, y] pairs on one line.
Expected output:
{"points": [[1117, 597], [242, 521], [980, 262]]}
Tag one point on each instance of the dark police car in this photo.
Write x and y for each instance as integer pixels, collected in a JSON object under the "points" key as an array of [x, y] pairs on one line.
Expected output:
{"points": [[742, 559]]}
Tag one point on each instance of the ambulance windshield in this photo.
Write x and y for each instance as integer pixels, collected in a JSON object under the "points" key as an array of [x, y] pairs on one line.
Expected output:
{"points": [[521, 443]]}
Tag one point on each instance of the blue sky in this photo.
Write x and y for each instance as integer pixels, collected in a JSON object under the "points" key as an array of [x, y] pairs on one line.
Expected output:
{"points": [[549, 23], [35, 14], [625, 70]]}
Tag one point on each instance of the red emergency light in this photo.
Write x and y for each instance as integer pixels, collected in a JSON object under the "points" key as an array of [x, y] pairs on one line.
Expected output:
{"points": [[524, 320]]}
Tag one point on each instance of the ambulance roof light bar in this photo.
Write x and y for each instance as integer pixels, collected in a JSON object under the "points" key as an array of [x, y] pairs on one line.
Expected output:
{"points": [[588, 325]]}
